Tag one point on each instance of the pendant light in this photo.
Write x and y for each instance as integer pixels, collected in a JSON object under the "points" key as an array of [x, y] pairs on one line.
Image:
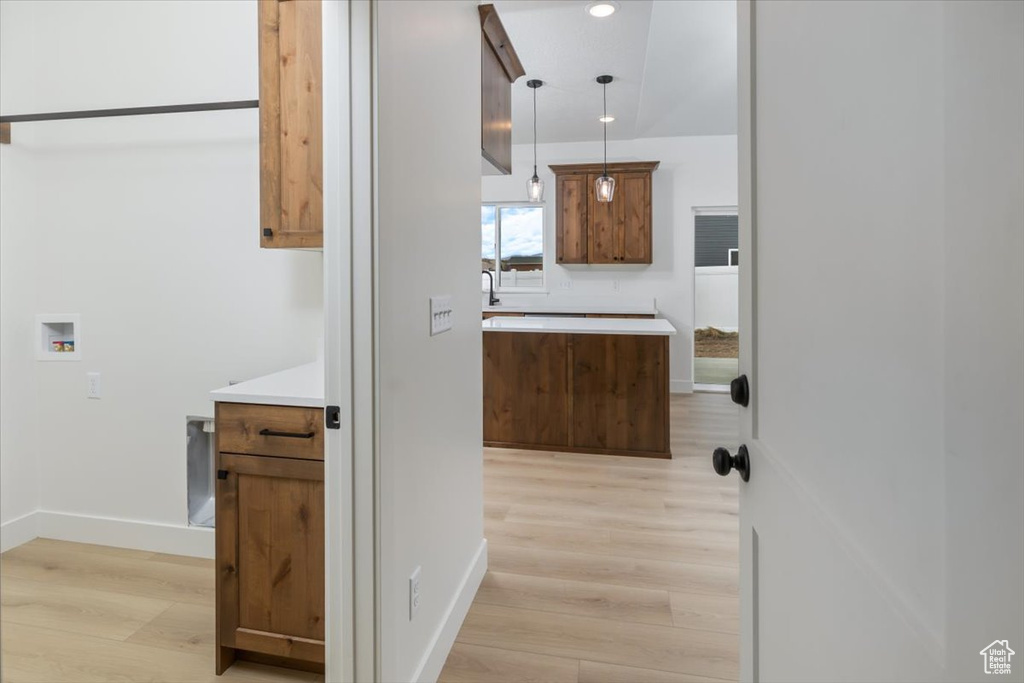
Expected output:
{"points": [[534, 186], [605, 186]]}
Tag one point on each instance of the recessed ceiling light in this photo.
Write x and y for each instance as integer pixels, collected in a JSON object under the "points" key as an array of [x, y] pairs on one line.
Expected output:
{"points": [[606, 119], [602, 9]]}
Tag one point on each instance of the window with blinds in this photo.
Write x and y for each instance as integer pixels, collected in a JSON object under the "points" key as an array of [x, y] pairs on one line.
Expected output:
{"points": [[716, 237]]}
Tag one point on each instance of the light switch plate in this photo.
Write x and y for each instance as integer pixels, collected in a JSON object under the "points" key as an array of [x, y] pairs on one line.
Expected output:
{"points": [[441, 316], [414, 593], [93, 387]]}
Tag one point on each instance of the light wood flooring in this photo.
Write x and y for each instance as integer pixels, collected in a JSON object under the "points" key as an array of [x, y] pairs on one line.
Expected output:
{"points": [[602, 570], [85, 613], [609, 569]]}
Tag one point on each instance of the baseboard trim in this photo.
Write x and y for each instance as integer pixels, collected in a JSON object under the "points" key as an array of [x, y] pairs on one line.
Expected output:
{"points": [[124, 533], [18, 531], [430, 666], [681, 386]]}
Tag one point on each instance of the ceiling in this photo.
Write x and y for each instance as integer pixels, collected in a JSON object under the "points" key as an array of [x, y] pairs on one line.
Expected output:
{"points": [[673, 61]]}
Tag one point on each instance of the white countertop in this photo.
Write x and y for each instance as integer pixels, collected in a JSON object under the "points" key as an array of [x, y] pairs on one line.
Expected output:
{"points": [[302, 386], [569, 307], [628, 326]]}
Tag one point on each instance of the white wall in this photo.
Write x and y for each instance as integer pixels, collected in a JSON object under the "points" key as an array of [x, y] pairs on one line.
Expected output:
{"points": [[430, 400], [716, 301], [694, 172], [19, 471], [147, 227], [983, 376]]}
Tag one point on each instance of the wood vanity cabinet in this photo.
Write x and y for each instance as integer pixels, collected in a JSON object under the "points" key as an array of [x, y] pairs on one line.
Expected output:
{"points": [[593, 232], [291, 124], [270, 535], [499, 69]]}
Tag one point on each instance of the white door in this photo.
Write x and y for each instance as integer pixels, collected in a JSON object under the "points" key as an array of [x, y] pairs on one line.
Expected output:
{"points": [[882, 332]]}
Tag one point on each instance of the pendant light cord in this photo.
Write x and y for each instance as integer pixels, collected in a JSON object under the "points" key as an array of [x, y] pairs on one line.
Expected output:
{"points": [[534, 132], [604, 88]]}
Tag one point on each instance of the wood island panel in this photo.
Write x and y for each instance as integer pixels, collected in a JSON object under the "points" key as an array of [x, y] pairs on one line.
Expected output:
{"points": [[589, 393], [526, 389], [620, 393]]}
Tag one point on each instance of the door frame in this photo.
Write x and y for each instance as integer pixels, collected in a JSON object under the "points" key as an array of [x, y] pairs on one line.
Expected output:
{"points": [[746, 213], [350, 457]]}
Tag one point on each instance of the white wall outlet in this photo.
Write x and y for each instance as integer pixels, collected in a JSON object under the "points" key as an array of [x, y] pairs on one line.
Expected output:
{"points": [[615, 285], [414, 593], [92, 382], [441, 316]]}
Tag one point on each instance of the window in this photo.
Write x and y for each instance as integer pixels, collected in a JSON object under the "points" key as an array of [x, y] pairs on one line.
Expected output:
{"points": [[513, 235], [716, 236]]}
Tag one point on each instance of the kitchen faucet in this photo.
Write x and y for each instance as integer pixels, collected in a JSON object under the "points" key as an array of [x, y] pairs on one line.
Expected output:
{"points": [[493, 301]]}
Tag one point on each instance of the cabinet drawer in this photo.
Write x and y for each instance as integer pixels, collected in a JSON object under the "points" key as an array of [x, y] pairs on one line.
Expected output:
{"points": [[279, 431]]}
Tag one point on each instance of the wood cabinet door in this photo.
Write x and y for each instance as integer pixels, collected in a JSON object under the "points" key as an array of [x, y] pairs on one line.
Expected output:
{"points": [[571, 219], [619, 392], [291, 124], [270, 557], [603, 224], [633, 194], [496, 110], [526, 392]]}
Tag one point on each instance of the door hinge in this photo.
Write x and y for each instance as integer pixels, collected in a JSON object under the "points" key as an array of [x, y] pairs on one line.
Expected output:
{"points": [[332, 417]]}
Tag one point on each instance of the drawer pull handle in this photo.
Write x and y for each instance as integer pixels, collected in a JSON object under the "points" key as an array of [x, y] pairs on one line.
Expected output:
{"points": [[289, 435]]}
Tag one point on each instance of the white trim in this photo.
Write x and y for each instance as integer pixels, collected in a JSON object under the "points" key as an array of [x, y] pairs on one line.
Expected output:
{"points": [[18, 531], [339, 640], [715, 210], [746, 176], [365, 333], [174, 539], [433, 660], [680, 386]]}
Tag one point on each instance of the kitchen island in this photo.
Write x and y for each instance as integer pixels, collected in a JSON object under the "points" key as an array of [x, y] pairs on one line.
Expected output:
{"points": [[585, 385]]}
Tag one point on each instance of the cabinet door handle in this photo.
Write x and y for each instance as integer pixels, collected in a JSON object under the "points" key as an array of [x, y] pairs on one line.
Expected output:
{"points": [[288, 435]]}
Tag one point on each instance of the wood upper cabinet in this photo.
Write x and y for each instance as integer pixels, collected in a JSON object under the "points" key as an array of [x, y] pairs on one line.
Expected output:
{"points": [[291, 123], [589, 231], [571, 240], [634, 217], [270, 535], [499, 69]]}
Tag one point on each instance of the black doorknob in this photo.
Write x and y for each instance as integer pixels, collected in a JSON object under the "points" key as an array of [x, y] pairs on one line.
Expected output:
{"points": [[725, 463], [740, 390]]}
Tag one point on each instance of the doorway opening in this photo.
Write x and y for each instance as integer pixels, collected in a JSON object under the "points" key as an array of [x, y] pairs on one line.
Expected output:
{"points": [[716, 278]]}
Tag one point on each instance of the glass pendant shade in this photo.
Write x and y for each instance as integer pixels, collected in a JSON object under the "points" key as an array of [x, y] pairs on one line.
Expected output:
{"points": [[535, 188], [605, 188]]}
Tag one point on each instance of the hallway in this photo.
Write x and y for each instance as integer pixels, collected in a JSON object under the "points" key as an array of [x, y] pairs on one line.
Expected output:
{"points": [[609, 569]]}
